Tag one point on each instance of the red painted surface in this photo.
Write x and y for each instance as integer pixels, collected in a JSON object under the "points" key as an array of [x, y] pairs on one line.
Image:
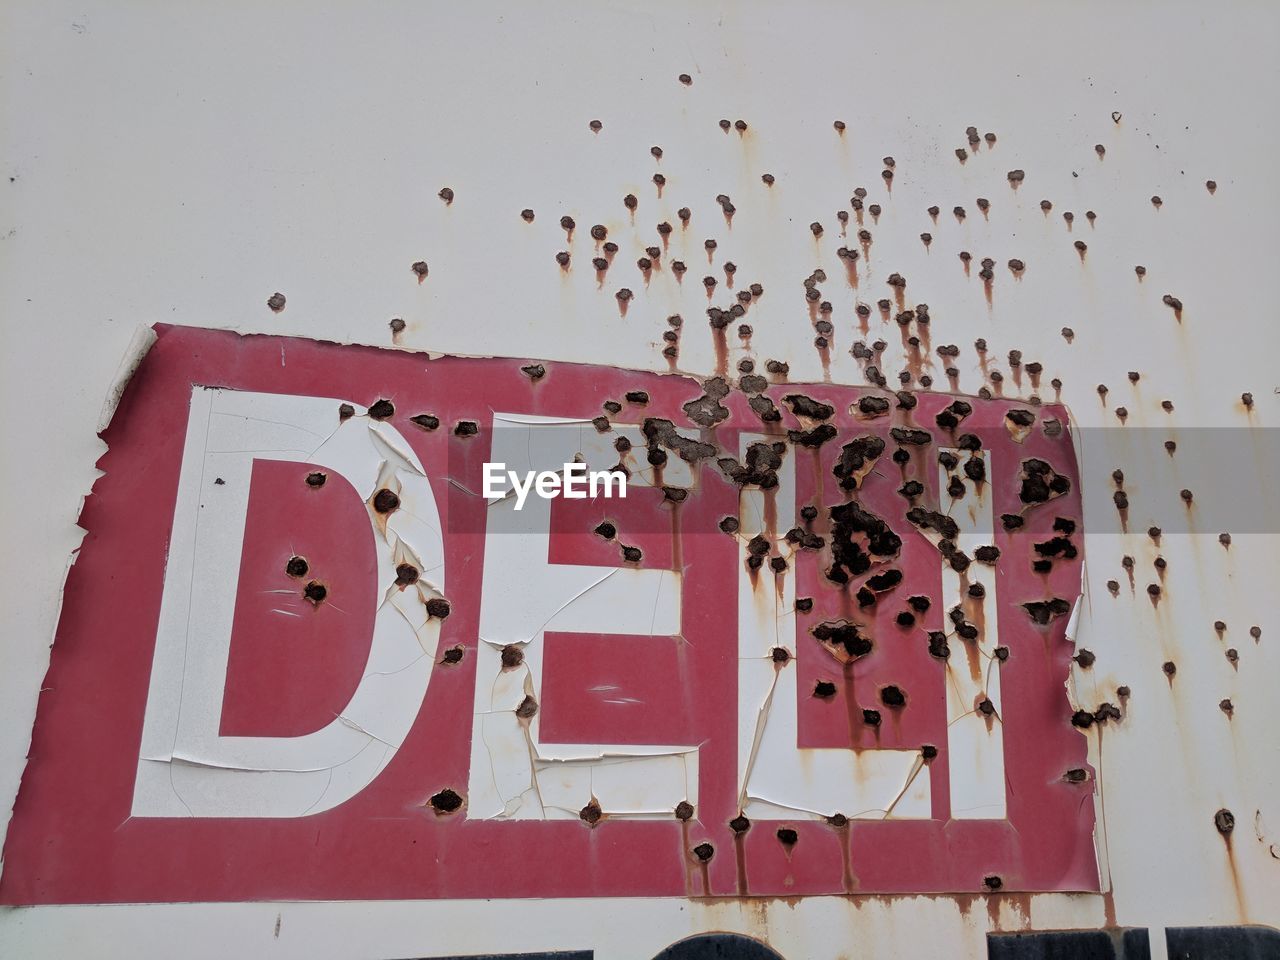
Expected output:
{"points": [[72, 837]]}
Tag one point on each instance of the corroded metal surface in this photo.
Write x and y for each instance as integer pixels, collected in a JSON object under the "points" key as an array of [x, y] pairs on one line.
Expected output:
{"points": [[1080, 197], [886, 712]]}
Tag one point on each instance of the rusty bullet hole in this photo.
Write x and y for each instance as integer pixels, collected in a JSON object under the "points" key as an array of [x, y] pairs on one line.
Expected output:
{"points": [[1233, 656], [1186, 495], [1114, 587], [315, 591], [446, 194], [562, 258], [986, 707], [729, 525], [871, 718], [1157, 202], [874, 210], [962, 154], [1160, 563], [1169, 667], [466, 428], [887, 175], [824, 689], [386, 501], [438, 607], [276, 302], [595, 126], [591, 813], [1172, 302], [1255, 632], [686, 79], [740, 125], [512, 656], [406, 574], [1122, 413], [656, 152], [453, 655], [1225, 821], [1076, 775], [528, 707], [1227, 707], [1085, 658], [446, 802], [1082, 719], [1166, 406], [632, 554], [787, 836], [623, 295], [316, 478], [1123, 692], [526, 215], [420, 270], [600, 263], [804, 604], [1247, 400], [778, 564], [396, 325], [704, 852], [740, 824], [534, 371], [567, 223], [296, 567], [992, 882], [767, 179], [893, 696], [382, 410], [426, 420], [684, 810], [346, 411]]}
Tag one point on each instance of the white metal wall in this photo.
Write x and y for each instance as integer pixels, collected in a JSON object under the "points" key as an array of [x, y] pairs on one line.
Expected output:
{"points": [[180, 163]]}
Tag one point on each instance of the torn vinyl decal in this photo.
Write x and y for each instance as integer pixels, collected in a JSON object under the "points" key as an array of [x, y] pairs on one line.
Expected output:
{"points": [[820, 645]]}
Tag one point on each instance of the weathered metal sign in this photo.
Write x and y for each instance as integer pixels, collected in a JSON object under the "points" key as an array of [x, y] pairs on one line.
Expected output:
{"points": [[820, 646]]}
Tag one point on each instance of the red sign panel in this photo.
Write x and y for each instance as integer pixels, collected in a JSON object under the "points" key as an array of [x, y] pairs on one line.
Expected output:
{"points": [[819, 646]]}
